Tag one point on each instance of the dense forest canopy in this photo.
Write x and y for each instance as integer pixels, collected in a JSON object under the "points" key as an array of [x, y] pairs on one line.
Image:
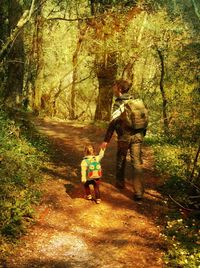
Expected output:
{"points": [[61, 58]]}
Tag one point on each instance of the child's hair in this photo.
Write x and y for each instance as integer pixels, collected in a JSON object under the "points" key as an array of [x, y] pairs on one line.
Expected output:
{"points": [[89, 150]]}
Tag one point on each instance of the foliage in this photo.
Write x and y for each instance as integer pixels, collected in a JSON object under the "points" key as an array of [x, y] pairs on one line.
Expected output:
{"points": [[175, 163], [183, 238], [131, 31], [20, 163]]}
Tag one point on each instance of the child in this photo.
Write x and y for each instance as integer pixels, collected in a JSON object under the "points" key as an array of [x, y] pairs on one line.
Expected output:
{"points": [[91, 172]]}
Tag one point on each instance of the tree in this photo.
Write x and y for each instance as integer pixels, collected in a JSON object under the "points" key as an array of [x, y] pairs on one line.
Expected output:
{"points": [[12, 50], [15, 56], [105, 63], [82, 28], [38, 58], [106, 73], [162, 90]]}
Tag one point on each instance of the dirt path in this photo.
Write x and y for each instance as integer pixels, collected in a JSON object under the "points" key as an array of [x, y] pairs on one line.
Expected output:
{"points": [[72, 232]]}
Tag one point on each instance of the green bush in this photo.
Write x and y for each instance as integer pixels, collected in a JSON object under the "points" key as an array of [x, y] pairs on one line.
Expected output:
{"points": [[175, 163], [183, 239], [20, 164]]}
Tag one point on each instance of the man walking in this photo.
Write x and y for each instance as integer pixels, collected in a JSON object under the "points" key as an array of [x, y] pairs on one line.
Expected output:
{"points": [[129, 139]]}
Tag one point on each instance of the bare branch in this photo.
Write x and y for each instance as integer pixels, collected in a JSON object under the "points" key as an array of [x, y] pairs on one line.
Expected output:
{"points": [[179, 204], [31, 9], [67, 19]]}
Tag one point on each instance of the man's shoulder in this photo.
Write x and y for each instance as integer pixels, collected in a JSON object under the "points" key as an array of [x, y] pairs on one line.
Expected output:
{"points": [[125, 96], [122, 99]]}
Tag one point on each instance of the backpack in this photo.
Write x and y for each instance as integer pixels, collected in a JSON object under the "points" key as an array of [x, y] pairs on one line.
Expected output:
{"points": [[135, 114], [94, 170]]}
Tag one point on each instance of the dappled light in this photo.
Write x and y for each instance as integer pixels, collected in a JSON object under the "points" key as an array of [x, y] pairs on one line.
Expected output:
{"points": [[72, 230], [83, 83]]}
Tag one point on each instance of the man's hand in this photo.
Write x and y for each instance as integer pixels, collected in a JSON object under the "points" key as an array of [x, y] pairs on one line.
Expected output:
{"points": [[103, 145]]}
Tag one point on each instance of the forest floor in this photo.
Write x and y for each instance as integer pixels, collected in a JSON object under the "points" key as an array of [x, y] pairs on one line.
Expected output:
{"points": [[72, 232]]}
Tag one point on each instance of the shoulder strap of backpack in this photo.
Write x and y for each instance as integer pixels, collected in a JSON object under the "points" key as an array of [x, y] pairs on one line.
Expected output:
{"points": [[88, 161]]}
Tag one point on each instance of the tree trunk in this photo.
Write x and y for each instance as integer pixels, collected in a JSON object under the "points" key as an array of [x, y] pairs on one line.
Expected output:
{"points": [[15, 57], [82, 32], [3, 34], [164, 98], [3, 18], [106, 74], [106, 71], [38, 56], [195, 162], [15, 31]]}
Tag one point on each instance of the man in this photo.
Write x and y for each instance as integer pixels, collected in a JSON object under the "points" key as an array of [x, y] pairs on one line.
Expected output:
{"points": [[128, 140]]}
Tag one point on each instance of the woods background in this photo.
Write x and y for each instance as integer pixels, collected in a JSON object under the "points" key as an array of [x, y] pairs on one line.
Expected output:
{"points": [[60, 58]]}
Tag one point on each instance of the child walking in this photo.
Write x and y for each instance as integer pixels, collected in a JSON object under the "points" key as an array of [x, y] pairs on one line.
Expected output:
{"points": [[91, 172]]}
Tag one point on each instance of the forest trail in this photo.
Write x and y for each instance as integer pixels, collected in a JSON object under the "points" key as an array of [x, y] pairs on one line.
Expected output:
{"points": [[72, 232]]}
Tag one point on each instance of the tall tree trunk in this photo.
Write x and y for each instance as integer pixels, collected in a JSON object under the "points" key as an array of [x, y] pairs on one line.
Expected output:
{"points": [[82, 31], [128, 71], [106, 71], [195, 162], [3, 18], [3, 35], [162, 90], [15, 56], [39, 60], [106, 74]]}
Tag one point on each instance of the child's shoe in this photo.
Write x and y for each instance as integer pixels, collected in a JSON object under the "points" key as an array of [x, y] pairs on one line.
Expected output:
{"points": [[137, 197], [89, 197], [98, 201]]}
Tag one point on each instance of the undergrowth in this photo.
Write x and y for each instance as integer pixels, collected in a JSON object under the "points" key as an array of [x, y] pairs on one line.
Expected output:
{"points": [[22, 153], [176, 164]]}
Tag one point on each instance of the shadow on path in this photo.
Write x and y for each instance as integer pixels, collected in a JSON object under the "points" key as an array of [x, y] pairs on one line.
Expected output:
{"points": [[73, 232]]}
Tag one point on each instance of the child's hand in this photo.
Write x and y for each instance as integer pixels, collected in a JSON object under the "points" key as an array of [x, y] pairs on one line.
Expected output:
{"points": [[103, 145], [83, 180]]}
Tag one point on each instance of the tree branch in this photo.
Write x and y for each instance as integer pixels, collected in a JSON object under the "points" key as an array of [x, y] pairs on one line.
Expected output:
{"points": [[31, 9], [188, 209], [25, 18], [67, 19], [196, 9], [22, 21]]}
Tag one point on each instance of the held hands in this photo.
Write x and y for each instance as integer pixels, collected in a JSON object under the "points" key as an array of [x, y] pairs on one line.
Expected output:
{"points": [[103, 145], [83, 179]]}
